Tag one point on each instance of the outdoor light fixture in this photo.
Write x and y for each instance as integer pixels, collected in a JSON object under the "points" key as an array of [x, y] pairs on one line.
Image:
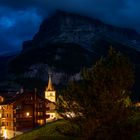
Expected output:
{"points": [[27, 114]]}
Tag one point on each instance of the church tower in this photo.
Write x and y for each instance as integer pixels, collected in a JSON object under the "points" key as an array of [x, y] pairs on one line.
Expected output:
{"points": [[50, 93]]}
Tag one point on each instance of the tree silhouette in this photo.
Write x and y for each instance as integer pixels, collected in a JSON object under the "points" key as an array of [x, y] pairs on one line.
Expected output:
{"points": [[100, 102]]}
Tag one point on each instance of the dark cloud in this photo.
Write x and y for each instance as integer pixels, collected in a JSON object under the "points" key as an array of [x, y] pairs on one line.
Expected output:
{"points": [[42, 6], [124, 13], [17, 26], [20, 19], [21, 4]]}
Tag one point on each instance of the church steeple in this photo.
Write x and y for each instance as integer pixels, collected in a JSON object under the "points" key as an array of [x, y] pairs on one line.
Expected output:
{"points": [[50, 93], [50, 86]]}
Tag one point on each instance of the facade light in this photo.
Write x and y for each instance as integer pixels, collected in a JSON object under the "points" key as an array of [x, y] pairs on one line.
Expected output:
{"points": [[27, 114]]}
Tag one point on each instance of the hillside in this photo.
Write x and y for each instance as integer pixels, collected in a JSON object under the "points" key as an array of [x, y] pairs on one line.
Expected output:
{"points": [[4, 61], [67, 57], [49, 131]]}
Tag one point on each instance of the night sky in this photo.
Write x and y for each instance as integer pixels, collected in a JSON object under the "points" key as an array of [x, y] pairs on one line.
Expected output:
{"points": [[20, 19]]}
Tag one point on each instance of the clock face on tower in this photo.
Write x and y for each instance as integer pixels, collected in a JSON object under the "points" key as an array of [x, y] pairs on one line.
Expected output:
{"points": [[50, 95]]}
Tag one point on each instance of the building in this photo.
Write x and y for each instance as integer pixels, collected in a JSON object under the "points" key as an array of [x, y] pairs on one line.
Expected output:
{"points": [[50, 94], [25, 110]]}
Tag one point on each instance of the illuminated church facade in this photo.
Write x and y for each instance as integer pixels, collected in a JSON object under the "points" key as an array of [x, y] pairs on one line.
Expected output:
{"points": [[50, 94]]}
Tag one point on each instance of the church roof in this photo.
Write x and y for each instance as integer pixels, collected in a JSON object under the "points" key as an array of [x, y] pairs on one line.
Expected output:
{"points": [[50, 86]]}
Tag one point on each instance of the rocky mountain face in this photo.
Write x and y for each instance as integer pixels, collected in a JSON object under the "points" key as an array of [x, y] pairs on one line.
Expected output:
{"points": [[4, 65], [66, 42], [68, 27]]}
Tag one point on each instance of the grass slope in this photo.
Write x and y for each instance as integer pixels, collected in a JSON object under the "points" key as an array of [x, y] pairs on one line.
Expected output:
{"points": [[48, 132]]}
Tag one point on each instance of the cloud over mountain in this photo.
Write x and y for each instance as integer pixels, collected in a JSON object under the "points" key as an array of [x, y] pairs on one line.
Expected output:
{"points": [[19, 20]]}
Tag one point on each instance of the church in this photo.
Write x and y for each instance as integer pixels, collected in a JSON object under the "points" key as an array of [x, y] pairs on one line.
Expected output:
{"points": [[50, 94], [25, 110]]}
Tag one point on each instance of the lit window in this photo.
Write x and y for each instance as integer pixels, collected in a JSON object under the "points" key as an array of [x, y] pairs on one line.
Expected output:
{"points": [[1, 99], [40, 113]]}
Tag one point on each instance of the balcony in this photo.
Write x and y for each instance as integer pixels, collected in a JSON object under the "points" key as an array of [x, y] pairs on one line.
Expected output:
{"points": [[6, 119], [24, 119]]}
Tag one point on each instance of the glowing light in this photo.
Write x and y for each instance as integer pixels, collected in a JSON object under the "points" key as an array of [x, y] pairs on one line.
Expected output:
{"points": [[27, 114], [137, 104], [5, 134], [41, 122]]}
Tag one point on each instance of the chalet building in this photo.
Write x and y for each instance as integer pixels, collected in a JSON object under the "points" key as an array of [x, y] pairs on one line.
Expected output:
{"points": [[26, 110]]}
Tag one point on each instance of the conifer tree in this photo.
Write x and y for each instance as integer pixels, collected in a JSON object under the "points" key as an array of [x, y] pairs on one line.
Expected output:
{"points": [[99, 102]]}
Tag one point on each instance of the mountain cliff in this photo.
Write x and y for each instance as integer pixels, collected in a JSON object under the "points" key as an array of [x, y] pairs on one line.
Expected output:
{"points": [[69, 27], [67, 42]]}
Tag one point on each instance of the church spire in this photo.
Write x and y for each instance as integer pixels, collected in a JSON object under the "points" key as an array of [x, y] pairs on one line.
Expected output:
{"points": [[50, 86]]}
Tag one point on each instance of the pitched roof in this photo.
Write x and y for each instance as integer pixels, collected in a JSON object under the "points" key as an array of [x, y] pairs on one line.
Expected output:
{"points": [[16, 97], [50, 86]]}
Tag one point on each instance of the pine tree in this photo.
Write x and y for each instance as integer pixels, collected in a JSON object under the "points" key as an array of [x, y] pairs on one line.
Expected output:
{"points": [[100, 101]]}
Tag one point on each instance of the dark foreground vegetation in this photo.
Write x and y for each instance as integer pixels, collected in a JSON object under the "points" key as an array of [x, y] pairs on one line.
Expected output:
{"points": [[99, 104], [64, 130]]}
